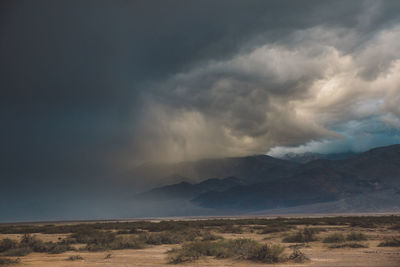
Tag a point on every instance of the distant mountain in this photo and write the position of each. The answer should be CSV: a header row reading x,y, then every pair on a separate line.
x,y
310,156
185,190
249,169
368,181
318,181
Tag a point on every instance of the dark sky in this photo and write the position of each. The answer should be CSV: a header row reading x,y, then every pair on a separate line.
x,y
90,89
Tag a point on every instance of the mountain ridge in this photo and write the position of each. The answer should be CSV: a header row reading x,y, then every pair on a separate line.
x,y
287,185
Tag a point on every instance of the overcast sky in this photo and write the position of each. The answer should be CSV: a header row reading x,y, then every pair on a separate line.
x,y
90,89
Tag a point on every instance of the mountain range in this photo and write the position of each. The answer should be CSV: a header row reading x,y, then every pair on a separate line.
x,y
364,182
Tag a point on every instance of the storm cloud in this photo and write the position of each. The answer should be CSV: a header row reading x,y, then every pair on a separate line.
x,y
285,93
91,89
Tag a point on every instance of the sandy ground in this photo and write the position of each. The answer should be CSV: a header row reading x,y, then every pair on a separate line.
x,y
318,252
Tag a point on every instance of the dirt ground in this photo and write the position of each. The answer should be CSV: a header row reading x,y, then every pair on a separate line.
x,y
318,252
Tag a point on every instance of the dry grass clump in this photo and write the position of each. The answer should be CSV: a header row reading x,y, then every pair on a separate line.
x,y
100,240
231,229
169,237
297,256
302,236
18,252
7,244
6,261
125,242
30,244
340,238
90,236
246,249
208,236
75,258
395,227
356,236
274,228
390,242
349,245
105,240
334,238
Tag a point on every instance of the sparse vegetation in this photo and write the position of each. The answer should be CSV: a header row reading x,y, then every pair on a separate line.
x,y
340,238
75,258
6,261
208,236
356,236
390,242
7,244
30,244
18,252
238,248
395,227
201,237
298,257
137,226
128,242
231,229
302,236
275,229
349,245
334,238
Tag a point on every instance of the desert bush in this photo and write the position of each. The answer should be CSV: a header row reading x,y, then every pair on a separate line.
x,y
395,227
75,258
349,245
364,224
90,236
390,242
161,238
208,236
5,261
118,243
356,236
7,244
36,245
297,256
268,254
20,251
334,238
275,229
231,229
239,248
126,243
170,237
192,251
301,236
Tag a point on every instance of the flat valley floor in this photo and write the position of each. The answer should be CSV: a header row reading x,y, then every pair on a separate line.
x,y
334,241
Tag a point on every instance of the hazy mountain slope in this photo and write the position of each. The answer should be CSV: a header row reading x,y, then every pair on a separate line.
x,y
315,182
250,169
380,201
185,190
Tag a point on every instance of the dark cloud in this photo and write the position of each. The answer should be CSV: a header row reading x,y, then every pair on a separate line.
x,y
91,88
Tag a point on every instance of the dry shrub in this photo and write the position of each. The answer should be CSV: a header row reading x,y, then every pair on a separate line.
x,y
75,258
334,238
349,245
6,261
302,236
356,236
390,242
246,249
